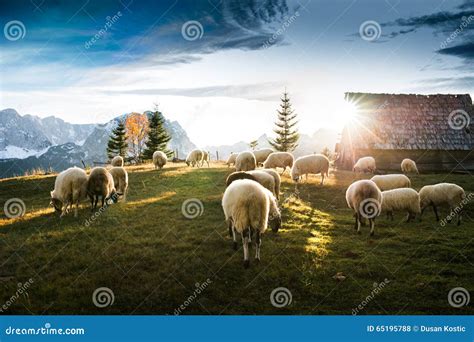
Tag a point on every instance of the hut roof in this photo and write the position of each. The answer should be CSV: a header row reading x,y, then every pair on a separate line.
x,y
409,121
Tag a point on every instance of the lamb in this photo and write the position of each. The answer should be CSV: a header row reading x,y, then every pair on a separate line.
x,y
365,198
277,179
117,161
159,159
313,163
405,199
261,155
248,209
392,181
231,159
194,158
245,161
120,176
205,158
365,164
101,184
409,166
279,159
70,187
439,194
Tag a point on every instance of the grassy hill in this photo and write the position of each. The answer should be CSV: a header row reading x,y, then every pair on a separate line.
x,y
154,259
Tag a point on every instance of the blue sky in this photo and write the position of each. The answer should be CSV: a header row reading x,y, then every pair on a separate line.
x,y
89,61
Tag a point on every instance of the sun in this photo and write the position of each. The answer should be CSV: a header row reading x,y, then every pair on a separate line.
x,y
346,112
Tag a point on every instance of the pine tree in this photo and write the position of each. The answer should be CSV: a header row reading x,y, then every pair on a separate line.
x,y
287,134
117,144
253,144
158,137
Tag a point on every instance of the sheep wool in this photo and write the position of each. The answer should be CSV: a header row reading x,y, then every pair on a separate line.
x,y
261,155
311,164
409,166
392,181
443,194
231,159
403,199
279,159
101,184
364,164
194,158
120,176
159,159
245,161
70,187
277,179
117,161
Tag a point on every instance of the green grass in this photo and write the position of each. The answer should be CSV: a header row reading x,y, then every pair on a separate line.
x,y
151,256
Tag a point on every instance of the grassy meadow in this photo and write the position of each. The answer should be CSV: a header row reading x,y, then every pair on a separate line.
x,y
153,258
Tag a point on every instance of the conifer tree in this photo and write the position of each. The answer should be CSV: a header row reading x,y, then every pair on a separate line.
x,y
287,134
158,137
117,144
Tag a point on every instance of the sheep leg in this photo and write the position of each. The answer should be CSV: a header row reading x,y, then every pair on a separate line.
x,y
436,212
245,243
258,242
96,199
408,217
234,237
459,217
372,226
322,178
357,222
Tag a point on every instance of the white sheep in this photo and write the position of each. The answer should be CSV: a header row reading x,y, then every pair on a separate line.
x,y
261,155
365,164
245,161
120,176
194,158
101,184
365,198
409,166
277,179
205,158
70,187
248,209
159,159
391,181
263,178
117,161
231,159
404,199
448,194
311,164
279,159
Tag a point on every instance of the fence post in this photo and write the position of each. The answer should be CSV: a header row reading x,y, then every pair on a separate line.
x,y
217,155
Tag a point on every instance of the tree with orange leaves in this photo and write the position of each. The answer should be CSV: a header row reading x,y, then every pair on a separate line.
x,y
137,132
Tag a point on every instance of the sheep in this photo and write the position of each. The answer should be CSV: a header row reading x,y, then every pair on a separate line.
x,y
365,199
159,159
448,194
261,155
245,161
238,175
205,158
70,187
265,178
231,159
194,158
365,164
409,166
313,163
392,181
248,209
117,161
277,179
405,199
120,176
279,159
101,183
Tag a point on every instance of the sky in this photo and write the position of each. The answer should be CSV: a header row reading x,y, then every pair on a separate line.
x,y
219,67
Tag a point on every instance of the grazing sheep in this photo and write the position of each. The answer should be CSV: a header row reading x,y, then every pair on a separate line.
x,y
365,164
265,179
279,159
205,158
238,175
117,161
365,198
409,166
248,209
70,187
261,155
120,176
277,179
159,159
448,194
245,161
405,199
101,184
313,163
231,160
392,181
194,158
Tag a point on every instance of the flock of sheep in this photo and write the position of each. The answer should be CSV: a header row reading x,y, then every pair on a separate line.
x,y
250,200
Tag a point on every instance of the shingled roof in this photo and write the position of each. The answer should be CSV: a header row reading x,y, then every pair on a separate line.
x,y
409,121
